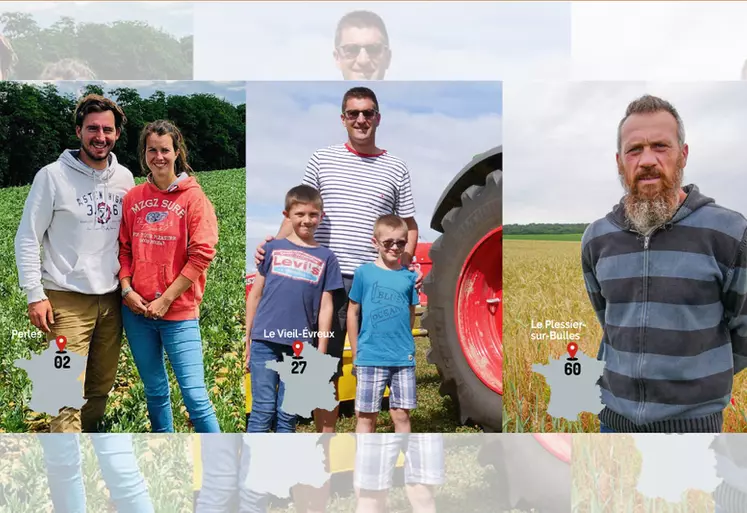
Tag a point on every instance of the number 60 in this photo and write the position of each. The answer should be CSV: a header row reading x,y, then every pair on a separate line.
x,y
572,368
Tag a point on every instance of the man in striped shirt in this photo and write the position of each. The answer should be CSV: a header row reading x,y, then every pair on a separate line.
x,y
359,182
666,272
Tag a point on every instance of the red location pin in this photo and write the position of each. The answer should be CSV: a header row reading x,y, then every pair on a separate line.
x,y
572,348
61,342
297,348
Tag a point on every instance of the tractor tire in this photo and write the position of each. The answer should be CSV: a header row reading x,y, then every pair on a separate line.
x,y
481,212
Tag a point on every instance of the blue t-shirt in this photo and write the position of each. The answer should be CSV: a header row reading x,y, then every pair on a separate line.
x,y
385,296
295,279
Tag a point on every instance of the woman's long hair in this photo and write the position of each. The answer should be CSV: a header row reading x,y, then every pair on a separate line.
x,y
163,127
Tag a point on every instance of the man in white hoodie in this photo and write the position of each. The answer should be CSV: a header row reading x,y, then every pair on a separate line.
x,y
74,210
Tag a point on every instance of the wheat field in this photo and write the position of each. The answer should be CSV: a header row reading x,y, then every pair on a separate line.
x,y
543,280
605,474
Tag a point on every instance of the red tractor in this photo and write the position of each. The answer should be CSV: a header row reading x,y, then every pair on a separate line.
x,y
464,315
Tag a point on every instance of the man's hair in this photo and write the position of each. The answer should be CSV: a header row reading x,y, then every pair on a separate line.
x,y
8,57
360,93
67,69
163,127
390,221
303,194
648,104
361,19
97,103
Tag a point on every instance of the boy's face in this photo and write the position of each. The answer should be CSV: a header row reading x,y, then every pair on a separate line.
x,y
390,243
305,218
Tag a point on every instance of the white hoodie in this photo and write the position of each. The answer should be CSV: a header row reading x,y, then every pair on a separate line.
x,y
74,211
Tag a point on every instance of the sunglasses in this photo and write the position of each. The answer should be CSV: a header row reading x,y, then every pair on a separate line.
x,y
400,243
352,115
352,50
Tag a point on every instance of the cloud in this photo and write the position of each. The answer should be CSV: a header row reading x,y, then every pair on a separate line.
x,y
561,142
283,132
658,40
429,40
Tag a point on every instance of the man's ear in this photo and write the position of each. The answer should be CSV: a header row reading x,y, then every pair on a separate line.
x,y
685,153
373,241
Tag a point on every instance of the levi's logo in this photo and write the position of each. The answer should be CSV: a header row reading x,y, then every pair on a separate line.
x,y
296,265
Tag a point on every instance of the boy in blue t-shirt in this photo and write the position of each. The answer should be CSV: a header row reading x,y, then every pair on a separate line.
x,y
384,350
291,300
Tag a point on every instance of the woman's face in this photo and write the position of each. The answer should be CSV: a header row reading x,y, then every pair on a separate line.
x,y
160,155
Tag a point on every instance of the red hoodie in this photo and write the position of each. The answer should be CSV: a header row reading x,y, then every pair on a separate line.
x,y
164,234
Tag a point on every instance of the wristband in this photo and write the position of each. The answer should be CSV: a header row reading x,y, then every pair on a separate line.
x,y
126,291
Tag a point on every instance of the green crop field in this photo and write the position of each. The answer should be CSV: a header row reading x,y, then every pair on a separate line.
x,y
546,236
221,322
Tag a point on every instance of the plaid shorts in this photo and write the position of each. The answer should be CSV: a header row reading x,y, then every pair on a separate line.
x,y
376,457
372,381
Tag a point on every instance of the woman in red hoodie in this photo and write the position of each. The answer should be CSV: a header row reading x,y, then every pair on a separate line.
x,y
166,243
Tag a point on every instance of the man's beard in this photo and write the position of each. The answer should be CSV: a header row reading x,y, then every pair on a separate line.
x,y
646,211
93,157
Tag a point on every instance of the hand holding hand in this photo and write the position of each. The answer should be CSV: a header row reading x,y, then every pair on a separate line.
x,y
136,303
158,308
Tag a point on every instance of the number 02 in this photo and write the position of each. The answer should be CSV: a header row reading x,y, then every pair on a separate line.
x,y
61,362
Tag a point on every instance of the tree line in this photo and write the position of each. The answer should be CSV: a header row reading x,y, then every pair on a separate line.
x,y
544,228
122,50
36,125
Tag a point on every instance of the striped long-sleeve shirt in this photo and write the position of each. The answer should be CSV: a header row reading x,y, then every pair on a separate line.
x,y
356,189
673,308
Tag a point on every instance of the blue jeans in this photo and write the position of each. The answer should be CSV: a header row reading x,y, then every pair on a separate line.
x,y
225,464
268,390
118,466
148,338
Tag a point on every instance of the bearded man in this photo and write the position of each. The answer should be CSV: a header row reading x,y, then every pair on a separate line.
x,y
666,273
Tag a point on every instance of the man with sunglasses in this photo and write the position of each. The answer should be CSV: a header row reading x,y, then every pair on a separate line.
x,y
362,46
359,182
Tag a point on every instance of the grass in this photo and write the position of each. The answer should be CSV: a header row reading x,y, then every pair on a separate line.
x,y
221,323
545,236
605,474
434,414
543,280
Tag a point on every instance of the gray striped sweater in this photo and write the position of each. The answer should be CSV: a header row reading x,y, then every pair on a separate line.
x,y
673,308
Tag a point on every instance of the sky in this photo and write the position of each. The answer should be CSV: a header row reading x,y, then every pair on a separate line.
x,y
295,40
233,92
435,127
561,139
659,40
175,18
